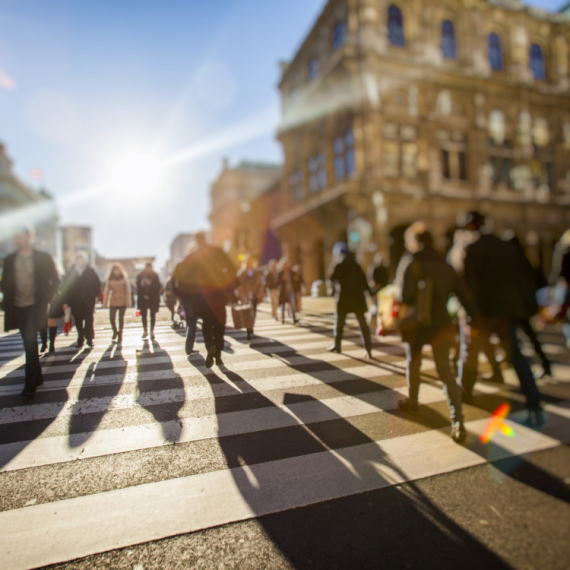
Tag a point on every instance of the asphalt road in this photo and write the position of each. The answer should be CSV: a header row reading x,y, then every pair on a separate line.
x,y
287,457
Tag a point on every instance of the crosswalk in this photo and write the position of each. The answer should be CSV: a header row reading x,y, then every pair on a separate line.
x,y
134,443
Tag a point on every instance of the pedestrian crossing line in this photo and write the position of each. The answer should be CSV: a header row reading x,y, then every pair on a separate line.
x,y
74,406
60,449
74,528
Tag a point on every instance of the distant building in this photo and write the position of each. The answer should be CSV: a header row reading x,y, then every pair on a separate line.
x,y
20,204
75,239
133,265
232,194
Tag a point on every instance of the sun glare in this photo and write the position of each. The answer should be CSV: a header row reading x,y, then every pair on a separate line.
x,y
135,172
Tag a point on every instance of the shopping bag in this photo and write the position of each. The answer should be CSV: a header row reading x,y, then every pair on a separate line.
x,y
67,323
242,315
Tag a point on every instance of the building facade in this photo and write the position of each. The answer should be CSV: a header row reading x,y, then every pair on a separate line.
x,y
393,112
74,240
20,204
231,196
179,250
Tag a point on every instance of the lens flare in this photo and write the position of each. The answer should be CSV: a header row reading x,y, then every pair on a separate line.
x,y
497,423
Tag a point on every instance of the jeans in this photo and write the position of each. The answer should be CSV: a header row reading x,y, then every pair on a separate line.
x,y
214,328
84,326
506,330
274,296
292,300
441,343
27,322
340,319
113,318
144,316
191,322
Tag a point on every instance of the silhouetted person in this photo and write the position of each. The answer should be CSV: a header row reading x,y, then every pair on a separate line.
x,y
351,299
499,278
560,277
28,283
272,287
250,288
117,298
287,289
425,281
148,298
205,280
80,289
378,274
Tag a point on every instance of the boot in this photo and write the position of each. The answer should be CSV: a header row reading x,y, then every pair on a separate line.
x,y
52,335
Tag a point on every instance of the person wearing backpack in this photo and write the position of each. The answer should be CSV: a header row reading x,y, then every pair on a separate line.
x,y
425,282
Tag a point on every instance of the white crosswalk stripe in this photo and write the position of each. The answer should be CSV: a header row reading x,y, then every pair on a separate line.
x,y
292,423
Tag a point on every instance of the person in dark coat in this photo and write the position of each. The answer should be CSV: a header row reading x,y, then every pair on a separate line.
x,y
148,297
425,282
79,291
500,281
378,276
205,281
272,286
250,288
351,299
288,287
28,283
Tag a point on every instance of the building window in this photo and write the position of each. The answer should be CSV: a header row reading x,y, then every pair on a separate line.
x,y
317,173
344,156
313,68
454,165
400,151
448,45
501,159
339,35
396,26
537,62
297,186
495,52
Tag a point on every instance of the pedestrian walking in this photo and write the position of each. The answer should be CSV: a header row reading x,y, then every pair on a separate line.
x,y
80,290
117,298
148,298
353,287
250,288
425,282
378,276
560,280
29,282
204,281
504,293
272,287
298,285
287,290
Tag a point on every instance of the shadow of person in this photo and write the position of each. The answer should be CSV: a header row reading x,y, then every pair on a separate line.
x,y
160,389
86,415
323,491
16,435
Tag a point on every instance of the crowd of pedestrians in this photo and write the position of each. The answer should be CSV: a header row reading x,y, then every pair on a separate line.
x,y
490,278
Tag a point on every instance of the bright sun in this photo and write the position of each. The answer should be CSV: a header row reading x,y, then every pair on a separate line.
x,y
135,172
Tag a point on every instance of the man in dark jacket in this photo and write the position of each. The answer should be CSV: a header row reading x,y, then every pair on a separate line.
x,y
80,289
29,282
500,279
205,281
378,276
353,285
425,282
148,297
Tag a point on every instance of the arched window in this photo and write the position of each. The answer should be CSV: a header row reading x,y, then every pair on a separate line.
x,y
495,52
448,46
339,35
396,26
537,62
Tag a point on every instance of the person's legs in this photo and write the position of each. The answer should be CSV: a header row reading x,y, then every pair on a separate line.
x,y
489,350
469,360
113,321
441,349
44,337
27,325
293,305
365,332
80,329
340,319
89,330
144,318
191,322
274,295
531,334
152,322
52,337
122,311
413,361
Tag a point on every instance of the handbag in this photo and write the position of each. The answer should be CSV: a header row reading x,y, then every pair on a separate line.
x,y
242,315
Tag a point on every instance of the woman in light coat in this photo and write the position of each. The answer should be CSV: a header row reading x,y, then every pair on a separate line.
x,y
117,298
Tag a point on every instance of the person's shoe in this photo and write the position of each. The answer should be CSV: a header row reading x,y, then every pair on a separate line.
x,y
115,335
535,418
210,359
458,432
152,337
193,354
295,320
120,338
40,381
79,344
28,391
367,354
43,347
408,406
144,335
51,347
219,361
90,344
334,349
546,370
248,335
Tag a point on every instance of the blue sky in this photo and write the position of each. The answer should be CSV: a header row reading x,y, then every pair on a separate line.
x,y
93,91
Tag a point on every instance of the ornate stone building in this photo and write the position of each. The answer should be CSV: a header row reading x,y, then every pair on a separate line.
x,y
231,196
394,111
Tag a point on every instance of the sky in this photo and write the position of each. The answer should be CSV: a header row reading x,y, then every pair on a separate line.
x,y
124,109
